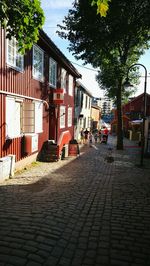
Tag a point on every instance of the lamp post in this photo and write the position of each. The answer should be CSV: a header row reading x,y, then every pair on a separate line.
x,y
144,109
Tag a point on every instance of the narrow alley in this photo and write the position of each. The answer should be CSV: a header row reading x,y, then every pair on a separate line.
x,y
93,210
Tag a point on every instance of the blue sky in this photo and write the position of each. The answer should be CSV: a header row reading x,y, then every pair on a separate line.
x,y
55,10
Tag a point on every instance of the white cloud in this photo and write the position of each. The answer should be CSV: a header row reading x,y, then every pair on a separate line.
x,y
57,4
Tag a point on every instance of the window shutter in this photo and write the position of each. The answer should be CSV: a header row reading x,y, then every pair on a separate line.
x,y
10,116
28,117
70,85
38,117
17,126
62,116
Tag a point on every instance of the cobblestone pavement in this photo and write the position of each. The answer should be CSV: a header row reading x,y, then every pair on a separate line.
x,y
89,210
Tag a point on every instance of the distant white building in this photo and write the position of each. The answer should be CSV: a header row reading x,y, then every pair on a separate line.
x,y
105,104
82,117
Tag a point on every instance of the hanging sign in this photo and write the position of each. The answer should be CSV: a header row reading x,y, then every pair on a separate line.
x,y
58,96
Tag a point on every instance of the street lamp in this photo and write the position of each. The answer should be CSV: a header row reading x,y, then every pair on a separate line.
x,y
127,84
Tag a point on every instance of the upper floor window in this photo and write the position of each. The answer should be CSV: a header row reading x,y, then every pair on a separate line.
x,y
14,58
38,63
52,72
86,101
62,116
70,91
77,97
63,79
89,103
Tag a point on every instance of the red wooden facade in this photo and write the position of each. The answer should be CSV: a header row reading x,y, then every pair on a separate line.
x,y
133,110
23,88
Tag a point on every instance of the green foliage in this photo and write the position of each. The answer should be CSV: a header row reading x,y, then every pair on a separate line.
x,y
114,42
110,43
22,19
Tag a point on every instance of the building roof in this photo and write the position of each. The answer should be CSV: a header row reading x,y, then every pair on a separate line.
x,y
135,98
84,88
63,59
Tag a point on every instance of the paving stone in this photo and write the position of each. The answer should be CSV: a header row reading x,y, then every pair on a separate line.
x,y
78,212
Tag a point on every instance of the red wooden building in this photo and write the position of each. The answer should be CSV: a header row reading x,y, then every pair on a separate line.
x,y
33,109
131,111
135,107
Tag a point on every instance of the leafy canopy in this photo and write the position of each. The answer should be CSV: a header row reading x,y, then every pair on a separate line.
x,y
22,19
111,43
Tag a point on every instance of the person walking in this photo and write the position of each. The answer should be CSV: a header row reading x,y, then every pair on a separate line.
x,y
96,137
82,136
105,134
90,139
86,133
99,135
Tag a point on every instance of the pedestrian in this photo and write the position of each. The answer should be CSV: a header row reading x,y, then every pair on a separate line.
x,y
105,134
90,138
99,135
86,133
96,137
82,135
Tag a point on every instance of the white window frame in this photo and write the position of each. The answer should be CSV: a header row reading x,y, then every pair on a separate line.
x,y
52,72
63,79
70,89
13,56
23,117
38,69
62,117
70,117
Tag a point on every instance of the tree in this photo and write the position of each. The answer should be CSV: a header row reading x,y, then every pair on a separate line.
x,y
111,43
22,19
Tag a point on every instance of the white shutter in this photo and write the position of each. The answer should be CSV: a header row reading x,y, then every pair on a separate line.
x,y
10,116
63,79
38,117
70,85
17,125
62,116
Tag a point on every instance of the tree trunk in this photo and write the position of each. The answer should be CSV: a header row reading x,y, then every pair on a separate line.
x,y
119,117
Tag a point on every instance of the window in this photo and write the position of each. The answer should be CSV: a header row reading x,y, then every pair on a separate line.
x,y
14,58
82,98
52,72
38,62
86,101
62,116
89,122
89,103
69,116
63,79
23,117
70,92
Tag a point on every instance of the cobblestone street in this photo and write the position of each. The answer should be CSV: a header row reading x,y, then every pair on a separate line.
x,y
91,210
